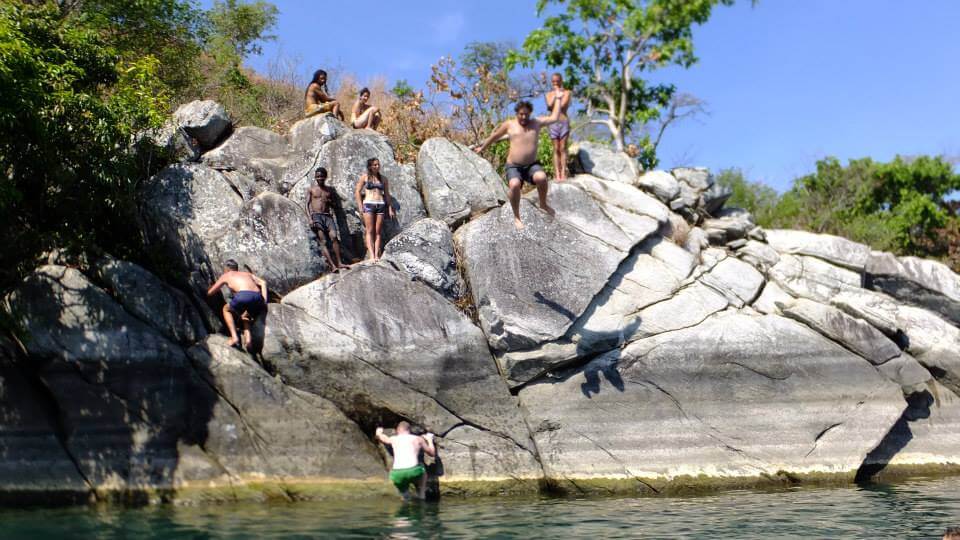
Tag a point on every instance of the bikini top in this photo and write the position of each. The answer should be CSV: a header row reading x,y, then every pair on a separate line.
x,y
374,185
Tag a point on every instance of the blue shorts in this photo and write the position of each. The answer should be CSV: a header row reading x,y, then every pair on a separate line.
x,y
374,208
248,301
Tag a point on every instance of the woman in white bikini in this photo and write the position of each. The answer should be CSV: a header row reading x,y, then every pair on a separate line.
x,y
373,200
364,115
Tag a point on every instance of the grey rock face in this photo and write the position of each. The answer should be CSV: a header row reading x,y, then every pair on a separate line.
x,y
809,277
714,198
759,254
456,182
729,224
771,298
654,411
698,178
259,152
908,373
531,285
425,252
661,183
345,159
173,140
260,427
603,162
151,300
184,208
206,121
833,249
619,196
927,433
736,280
272,236
115,381
309,134
921,282
852,333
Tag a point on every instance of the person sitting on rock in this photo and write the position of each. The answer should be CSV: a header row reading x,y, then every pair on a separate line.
x,y
560,130
407,468
248,302
364,115
373,201
522,166
318,100
321,202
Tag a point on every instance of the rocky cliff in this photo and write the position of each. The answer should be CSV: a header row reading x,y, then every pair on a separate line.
x,y
644,339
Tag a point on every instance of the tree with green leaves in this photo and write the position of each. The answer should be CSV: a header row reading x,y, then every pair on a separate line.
x,y
605,46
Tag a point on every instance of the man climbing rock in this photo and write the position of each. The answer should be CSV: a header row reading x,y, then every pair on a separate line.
x,y
248,302
522,165
321,202
407,468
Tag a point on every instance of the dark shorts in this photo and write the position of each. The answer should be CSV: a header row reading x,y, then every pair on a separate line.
x,y
523,172
327,224
374,208
559,130
248,301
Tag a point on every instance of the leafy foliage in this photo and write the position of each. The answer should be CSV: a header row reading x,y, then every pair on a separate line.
x,y
756,197
605,45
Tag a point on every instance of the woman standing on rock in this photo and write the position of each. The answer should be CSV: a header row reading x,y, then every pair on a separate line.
x,y
373,201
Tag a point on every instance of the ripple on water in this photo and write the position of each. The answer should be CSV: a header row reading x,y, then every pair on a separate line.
x,y
910,510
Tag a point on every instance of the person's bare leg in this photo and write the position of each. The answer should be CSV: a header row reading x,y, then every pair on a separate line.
x,y
368,223
513,193
336,254
336,111
563,156
540,179
246,332
557,165
362,121
321,239
377,238
422,487
375,118
231,325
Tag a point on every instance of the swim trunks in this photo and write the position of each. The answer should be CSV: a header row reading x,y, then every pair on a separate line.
x,y
559,129
374,207
318,108
247,301
327,224
523,172
402,478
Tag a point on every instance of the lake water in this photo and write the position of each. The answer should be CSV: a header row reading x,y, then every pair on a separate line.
x,y
918,509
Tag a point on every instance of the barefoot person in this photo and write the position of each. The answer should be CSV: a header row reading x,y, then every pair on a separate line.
x,y
373,201
522,165
321,202
560,130
318,100
248,302
407,468
363,114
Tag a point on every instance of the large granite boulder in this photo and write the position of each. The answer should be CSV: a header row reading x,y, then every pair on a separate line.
x,y
661,183
261,428
425,252
921,282
833,249
456,183
603,162
206,121
711,400
927,434
184,209
813,278
572,257
115,383
728,224
853,333
145,296
272,236
308,135
258,152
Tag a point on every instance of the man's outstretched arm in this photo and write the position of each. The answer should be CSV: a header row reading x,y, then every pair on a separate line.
x,y
495,136
381,437
554,114
215,288
262,283
428,445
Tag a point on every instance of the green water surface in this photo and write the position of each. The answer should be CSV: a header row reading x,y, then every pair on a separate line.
x,y
916,509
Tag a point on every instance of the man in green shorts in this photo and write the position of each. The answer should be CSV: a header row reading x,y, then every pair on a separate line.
x,y
407,468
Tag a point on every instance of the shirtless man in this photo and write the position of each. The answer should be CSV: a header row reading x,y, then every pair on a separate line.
x,y
318,99
522,165
321,201
363,114
560,130
407,468
249,297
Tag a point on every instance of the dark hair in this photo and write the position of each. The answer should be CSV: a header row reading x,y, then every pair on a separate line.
x,y
370,162
523,105
363,91
557,74
316,78
952,533
321,171
231,264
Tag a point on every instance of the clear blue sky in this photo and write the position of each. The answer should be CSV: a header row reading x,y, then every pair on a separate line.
x,y
786,82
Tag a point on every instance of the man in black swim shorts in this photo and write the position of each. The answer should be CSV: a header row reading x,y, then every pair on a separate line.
x,y
249,298
321,202
522,165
